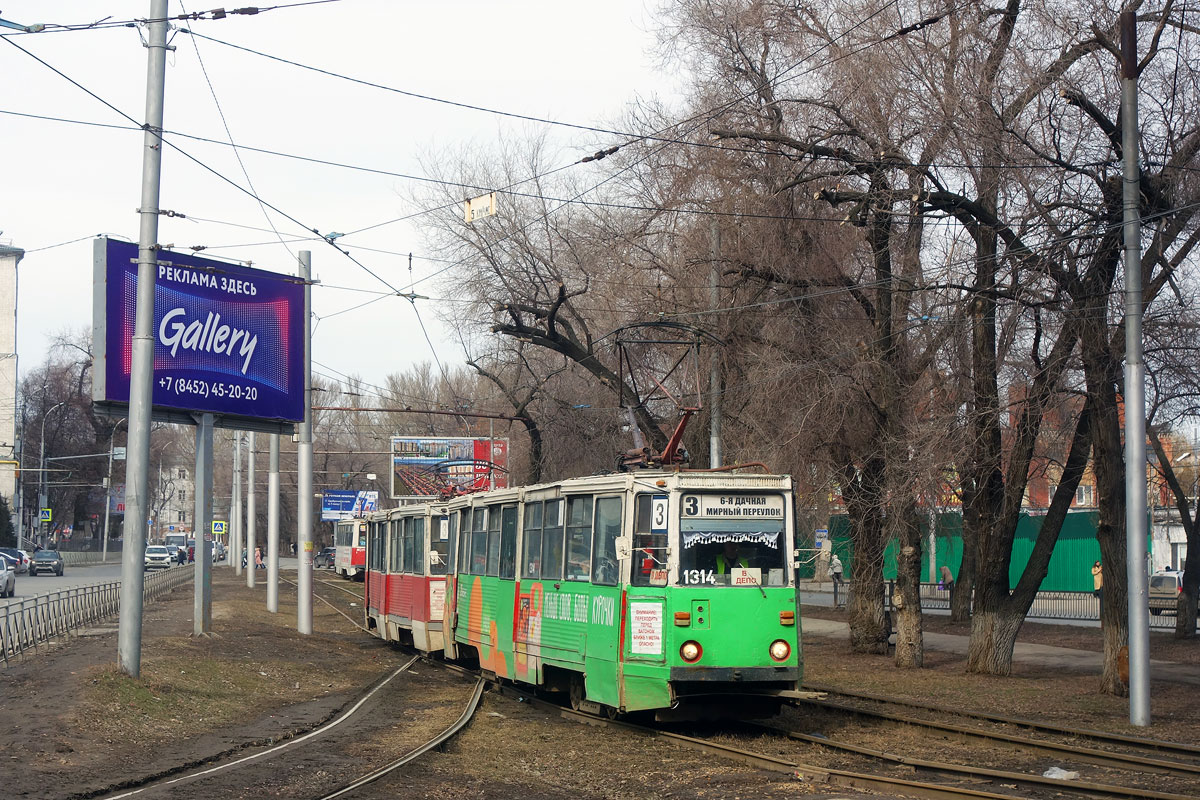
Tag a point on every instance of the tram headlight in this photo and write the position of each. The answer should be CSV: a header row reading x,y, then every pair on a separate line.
x,y
780,650
691,652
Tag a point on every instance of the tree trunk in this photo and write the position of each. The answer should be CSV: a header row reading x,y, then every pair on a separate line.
x,y
993,637
910,647
869,626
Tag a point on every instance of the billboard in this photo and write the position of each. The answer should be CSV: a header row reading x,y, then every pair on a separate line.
x,y
338,504
428,466
227,339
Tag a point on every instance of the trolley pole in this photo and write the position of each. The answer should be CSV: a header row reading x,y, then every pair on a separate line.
x,y
714,360
273,527
202,597
304,458
1135,389
251,539
141,379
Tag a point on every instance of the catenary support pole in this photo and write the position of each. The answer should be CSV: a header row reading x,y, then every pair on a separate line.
x,y
251,523
235,513
141,379
304,459
1135,389
273,527
202,491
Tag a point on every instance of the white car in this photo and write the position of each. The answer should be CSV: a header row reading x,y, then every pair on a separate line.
x,y
159,557
8,578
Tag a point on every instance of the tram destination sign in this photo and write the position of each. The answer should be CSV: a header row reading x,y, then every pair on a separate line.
x,y
227,339
733,506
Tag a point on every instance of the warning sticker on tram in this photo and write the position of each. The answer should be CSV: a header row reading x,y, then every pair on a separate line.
x,y
735,506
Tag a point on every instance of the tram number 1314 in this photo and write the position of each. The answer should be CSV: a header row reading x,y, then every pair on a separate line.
x,y
695,577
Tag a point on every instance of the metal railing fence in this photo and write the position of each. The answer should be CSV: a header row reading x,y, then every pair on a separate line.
x,y
32,621
1046,606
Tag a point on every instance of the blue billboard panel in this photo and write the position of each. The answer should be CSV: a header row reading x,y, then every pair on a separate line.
x,y
337,504
227,339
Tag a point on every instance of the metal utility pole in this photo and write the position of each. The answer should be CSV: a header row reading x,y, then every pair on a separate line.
x,y
43,494
714,360
141,379
273,526
202,598
251,539
235,504
108,490
1135,389
304,466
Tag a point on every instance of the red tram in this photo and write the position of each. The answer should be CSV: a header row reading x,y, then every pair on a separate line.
x,y
350,542
406,577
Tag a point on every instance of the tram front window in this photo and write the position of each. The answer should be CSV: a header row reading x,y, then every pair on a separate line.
x,y
732,540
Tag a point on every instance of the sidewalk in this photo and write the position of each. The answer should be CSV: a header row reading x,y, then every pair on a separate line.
x,y
1083,661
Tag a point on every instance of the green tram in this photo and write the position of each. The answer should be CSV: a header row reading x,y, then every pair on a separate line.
x,y
662,591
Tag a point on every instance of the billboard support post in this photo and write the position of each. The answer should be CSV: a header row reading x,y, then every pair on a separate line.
x,y
273,526
251,528
129,636
202,598
304,465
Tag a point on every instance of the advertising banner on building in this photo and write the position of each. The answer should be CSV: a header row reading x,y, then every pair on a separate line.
x,y
227,339
429,466
338,505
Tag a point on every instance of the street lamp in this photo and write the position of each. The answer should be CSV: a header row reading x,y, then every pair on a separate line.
x,y
108,488
42,498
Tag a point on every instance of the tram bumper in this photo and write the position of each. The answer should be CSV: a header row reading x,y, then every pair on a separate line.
x,y
722,693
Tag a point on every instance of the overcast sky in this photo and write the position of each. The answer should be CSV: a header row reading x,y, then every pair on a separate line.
x,y
63,183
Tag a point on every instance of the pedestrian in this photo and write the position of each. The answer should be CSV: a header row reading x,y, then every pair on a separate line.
x,y
1098,585
293,548
835,569
947,580
258,559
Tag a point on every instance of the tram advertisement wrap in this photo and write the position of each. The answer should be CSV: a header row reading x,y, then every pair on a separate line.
x,y
227,339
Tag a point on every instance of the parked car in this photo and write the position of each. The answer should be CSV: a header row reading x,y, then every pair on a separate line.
x,y
325,558
1165,587
159,557
8,576
46,561
19,556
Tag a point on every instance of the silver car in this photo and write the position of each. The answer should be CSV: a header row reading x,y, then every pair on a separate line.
x,y
8,578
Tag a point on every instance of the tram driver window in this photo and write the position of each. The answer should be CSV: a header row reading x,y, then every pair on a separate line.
x,y
439,543
649,548
579,538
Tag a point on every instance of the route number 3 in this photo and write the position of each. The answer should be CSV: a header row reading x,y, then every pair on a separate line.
x,y
691,506
658,515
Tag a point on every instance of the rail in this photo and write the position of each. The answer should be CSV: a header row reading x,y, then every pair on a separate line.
x,y
30,622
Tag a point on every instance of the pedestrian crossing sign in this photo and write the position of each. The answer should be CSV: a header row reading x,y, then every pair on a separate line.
x,y
218,527
44,516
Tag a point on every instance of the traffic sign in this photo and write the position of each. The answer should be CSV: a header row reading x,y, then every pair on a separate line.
x,y
218,527
44,515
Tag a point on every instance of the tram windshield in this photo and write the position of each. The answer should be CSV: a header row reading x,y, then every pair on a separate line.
x,y
732,540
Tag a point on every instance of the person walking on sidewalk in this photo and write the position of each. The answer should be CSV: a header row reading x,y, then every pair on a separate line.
x,y
1098,585
835,574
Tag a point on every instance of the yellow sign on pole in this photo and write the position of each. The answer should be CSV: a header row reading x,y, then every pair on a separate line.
x,y
45,515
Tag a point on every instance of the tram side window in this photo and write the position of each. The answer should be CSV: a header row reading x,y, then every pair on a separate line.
x,y
479,542
394,537
604,546
439,545
531,547
408,545
552,540
508,542
418,562
463,530
376,549
493,541
649,548
579,538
